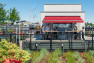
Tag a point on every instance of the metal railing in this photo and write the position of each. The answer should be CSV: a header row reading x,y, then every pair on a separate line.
x,y
12,38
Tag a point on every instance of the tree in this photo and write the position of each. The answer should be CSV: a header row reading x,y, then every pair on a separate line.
x,y
89,24
13,15
3,14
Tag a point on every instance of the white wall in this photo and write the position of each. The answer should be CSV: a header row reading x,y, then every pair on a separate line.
x,y
64,10
62,7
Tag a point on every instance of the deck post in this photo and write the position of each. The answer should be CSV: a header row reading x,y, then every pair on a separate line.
x,y
30,42
71,41
62,47
92,40
51,43
23,36
11,37
86,46
36,46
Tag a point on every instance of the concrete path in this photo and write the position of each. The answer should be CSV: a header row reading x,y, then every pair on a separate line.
x,y
88,38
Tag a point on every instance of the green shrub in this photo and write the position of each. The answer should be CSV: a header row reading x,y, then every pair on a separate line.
x,y
0,31
8,49
53,57
91,53
28,50
69,57
88,58
34,55
78,58
38,56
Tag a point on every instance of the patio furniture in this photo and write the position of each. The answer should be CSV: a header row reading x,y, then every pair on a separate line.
x,y
71,34
49,33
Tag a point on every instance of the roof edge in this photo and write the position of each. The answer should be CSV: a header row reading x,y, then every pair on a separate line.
x,y
62,4
62,12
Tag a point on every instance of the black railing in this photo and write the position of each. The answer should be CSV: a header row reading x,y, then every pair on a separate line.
x,y
12,38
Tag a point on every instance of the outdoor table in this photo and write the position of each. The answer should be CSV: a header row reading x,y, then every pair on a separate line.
x,y
2,38
72,33
50,33
68,34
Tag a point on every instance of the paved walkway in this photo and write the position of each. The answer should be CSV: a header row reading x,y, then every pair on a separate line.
x,y
88,38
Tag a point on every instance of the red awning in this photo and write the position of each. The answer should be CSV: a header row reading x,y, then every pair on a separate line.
x,y
62,19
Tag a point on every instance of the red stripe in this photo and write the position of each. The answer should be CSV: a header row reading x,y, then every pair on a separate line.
x,y
62,19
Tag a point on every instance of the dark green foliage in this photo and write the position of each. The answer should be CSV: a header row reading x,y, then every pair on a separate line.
x,y
13,15
3,14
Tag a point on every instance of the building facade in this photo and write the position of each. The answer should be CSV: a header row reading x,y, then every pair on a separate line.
x,y
64,10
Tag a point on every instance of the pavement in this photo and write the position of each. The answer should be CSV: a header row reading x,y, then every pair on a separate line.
x,y
88,38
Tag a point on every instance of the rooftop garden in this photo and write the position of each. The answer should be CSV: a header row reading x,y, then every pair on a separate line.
x,y
10,53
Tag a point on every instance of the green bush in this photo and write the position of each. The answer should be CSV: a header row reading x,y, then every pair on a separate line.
x,y
88,58
78,58
53,57
34,55
91,53
9,50
69,57
38,56
0,31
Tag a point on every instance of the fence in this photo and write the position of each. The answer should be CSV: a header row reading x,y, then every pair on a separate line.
x,y
89,30
64,39
33,44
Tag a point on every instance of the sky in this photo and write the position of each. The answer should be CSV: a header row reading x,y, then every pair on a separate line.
x,y
25,7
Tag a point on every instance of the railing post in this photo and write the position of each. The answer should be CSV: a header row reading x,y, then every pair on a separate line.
x,y
11,37
92,30
30,42
51,43
23,36
71,41
86,46
68,37
0,39
62,47
80,35
92,40
36,46
3,33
